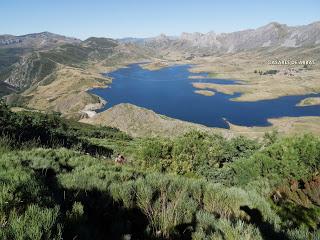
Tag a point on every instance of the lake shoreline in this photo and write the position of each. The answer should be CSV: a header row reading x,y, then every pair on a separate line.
x,y
129,89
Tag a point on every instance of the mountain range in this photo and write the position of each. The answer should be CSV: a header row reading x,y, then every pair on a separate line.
x,y
33,65
271,35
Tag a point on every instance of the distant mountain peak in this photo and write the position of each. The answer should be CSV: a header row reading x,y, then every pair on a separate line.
x,y
162,36
273,34
100,42
272,26
35,40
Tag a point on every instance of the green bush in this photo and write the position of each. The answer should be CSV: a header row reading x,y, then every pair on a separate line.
x,y
193,153
155,154
172,206
295,157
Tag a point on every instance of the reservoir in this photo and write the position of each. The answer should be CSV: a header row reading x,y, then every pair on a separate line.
x,y
169,91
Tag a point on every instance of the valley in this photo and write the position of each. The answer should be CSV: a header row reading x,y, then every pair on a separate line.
x,y
134,120
58,77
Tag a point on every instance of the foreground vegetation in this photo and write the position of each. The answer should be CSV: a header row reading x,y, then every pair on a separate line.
x,y
58,180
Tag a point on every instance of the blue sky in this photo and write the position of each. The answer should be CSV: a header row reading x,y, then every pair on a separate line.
x,y
144,18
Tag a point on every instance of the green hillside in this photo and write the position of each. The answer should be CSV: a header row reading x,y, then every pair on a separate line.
x,y
58,180
39,64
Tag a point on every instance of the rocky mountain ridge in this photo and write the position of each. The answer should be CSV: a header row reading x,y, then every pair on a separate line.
x,y
272,35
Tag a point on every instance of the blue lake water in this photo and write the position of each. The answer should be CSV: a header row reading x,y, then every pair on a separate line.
x,y
169,91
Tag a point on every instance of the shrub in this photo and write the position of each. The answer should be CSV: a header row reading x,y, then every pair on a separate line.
x,y
166,203
210,227
294,157
240,147
198,149
5,144
76,214
193,154
123,192
303,233
154,153
225,202
36,223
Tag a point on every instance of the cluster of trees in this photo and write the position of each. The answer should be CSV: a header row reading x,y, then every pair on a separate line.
x,y
196,186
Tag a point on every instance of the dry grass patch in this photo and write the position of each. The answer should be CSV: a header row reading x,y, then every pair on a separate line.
x,y
246,66
67,93
205,92
309,101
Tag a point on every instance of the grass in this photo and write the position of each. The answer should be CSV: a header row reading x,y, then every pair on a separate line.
x,y
65,91
225,191
140,122
166,201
